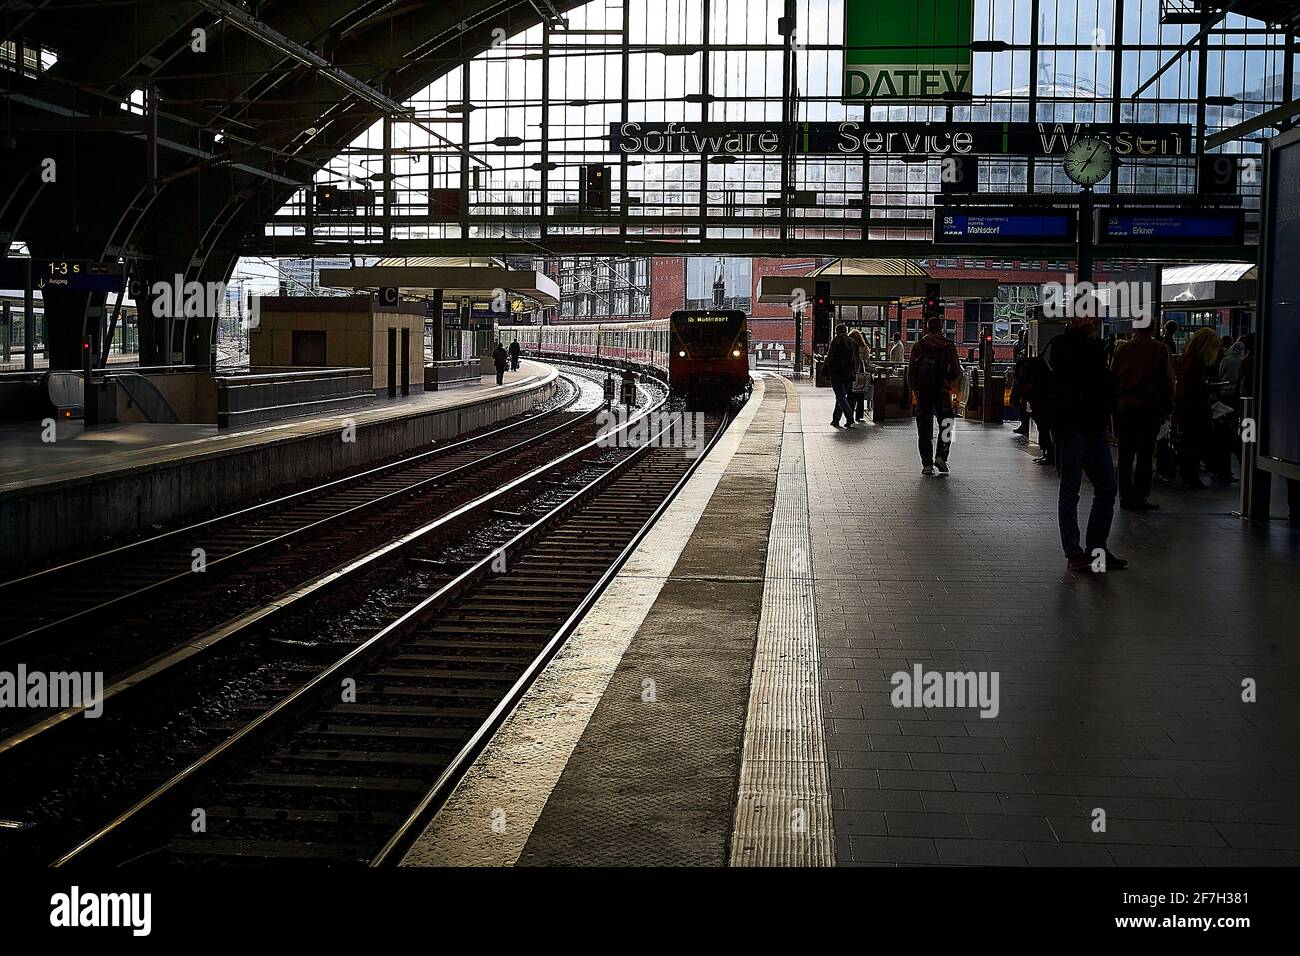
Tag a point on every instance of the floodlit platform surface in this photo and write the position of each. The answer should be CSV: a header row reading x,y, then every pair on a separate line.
x,y
81,453
729,699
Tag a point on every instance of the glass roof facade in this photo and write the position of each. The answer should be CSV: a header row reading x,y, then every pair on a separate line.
x,y
500,147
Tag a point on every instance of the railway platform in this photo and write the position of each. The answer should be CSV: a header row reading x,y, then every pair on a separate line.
x,y
736,697
121,479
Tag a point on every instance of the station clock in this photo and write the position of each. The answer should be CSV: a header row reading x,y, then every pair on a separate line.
x,y
1089,160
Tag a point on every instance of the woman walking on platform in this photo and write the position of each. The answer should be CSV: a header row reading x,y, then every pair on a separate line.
x,y
862,373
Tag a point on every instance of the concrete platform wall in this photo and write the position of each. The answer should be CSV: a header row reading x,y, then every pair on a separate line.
x,y
59,516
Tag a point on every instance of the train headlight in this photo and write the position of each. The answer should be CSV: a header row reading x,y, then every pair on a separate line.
x,y
735,353
682,353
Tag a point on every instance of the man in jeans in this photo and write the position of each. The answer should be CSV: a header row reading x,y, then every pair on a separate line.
x,y
841,365
1083,397
1144,386
931,370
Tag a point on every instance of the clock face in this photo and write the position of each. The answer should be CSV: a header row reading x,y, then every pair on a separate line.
x,y
1088,161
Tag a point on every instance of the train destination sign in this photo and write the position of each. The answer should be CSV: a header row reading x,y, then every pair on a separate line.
x,y
1221,226
852,138
1007,225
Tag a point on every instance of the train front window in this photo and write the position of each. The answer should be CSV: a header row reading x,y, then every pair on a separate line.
x,y
706,332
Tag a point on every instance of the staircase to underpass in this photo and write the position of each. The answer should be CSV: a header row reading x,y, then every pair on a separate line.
x,y
146,397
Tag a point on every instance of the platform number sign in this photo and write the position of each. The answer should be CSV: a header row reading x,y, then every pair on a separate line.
x,y
1217,175
387,298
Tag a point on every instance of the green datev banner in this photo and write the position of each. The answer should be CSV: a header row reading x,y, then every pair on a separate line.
x,y
916,49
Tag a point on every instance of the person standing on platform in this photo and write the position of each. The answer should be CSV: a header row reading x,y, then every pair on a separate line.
x,y
499,359
1170,336
1144,386
861,373
1230,368
841,368
1194,411
515,350
1020,355
931,371
898,351
1083,398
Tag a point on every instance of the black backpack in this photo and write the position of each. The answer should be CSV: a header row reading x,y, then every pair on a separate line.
x,y
1034,378
930,373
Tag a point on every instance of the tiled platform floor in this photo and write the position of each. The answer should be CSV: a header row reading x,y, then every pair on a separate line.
x,y
1119,692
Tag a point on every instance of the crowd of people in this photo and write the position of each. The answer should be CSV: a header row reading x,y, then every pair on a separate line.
x,y
1180,408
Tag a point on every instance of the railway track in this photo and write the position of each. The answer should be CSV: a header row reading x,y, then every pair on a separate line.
x,y
349,759
177,619
78,593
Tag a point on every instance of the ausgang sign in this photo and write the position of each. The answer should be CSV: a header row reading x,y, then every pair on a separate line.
x,y
906,49
854,138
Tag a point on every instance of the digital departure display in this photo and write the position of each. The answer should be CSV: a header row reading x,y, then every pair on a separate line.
x,y
1217,226
1005,225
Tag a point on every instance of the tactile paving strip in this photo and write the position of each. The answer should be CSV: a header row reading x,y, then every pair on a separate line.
x,y
783,809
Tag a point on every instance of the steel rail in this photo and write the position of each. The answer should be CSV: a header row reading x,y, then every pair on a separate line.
x,y
243,554
285,499
305,696
192,649
418,819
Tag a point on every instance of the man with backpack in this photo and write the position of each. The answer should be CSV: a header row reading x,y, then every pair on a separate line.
x,y
841,365
931,371
1082,400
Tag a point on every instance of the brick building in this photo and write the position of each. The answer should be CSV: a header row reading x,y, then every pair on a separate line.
x,y
620,290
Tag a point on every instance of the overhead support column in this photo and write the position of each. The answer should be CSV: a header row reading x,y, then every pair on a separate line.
x,y
787,114
798,339
464,148
29,325
435,339
386,223
704,118
1085,235
1033,85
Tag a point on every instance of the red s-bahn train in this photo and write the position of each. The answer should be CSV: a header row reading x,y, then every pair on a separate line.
x,y
703,352
709,355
